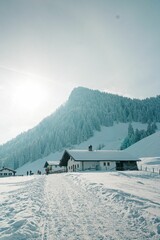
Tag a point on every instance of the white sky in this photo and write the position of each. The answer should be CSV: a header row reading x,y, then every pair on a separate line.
x,y
49,47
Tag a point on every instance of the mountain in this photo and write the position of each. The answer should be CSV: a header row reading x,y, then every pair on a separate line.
x,y
85,112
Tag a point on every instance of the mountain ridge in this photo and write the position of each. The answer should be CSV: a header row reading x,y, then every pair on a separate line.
x,y
85,112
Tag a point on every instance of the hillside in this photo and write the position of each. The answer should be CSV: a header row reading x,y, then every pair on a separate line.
x,y
110,138
147,147
86,112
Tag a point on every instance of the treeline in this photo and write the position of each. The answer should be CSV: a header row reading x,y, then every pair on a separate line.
x,y
74,122
136,135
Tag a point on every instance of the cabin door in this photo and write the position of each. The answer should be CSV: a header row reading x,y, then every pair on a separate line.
x,y
119,166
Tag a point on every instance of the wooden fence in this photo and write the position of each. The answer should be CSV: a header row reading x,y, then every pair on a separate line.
x,y
149,169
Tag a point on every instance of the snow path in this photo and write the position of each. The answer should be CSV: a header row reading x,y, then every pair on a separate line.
x,y
73,213
81,206
79,209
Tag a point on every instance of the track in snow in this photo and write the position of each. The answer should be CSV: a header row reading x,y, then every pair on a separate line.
x,y
74,207
75,213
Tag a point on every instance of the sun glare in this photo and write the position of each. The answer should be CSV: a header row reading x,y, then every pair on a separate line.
x,y
29,96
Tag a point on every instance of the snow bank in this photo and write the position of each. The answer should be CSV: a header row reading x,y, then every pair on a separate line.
x,y
21,201
133,198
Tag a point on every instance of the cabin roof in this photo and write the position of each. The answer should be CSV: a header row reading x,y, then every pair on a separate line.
x,y
96,155
51,163
9,169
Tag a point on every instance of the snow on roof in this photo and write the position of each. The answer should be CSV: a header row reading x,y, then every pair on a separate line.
x,y
51,163
4,168
101,155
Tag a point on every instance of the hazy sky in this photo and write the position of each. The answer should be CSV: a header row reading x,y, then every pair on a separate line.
x,y
48,47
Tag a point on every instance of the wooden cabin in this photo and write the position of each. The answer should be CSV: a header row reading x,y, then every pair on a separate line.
x,y
53,167
94,160
7,172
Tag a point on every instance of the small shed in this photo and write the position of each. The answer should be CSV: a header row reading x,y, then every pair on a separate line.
x,y
53,167
7,172
103,160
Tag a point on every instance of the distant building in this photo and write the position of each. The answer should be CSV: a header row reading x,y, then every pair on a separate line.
x,y
53,167
6,172
102,160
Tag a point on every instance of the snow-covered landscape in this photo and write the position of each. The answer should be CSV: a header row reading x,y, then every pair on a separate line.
x,y
79,120
111,138
118,205
97,205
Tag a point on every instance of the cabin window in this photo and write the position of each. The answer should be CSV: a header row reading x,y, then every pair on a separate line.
x,y
77,165
1,174
104,164
108,163
10,174
71,167
5,174
55,166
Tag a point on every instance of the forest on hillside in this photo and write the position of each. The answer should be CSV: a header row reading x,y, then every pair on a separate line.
x,y
136,135
74,122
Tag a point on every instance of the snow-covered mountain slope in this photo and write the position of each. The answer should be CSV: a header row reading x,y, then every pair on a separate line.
x,y
38,164
147,147
110,138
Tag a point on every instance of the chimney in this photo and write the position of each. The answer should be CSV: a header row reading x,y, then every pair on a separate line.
x,y
90,148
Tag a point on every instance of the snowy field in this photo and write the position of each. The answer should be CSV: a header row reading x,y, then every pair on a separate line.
x,y
81,206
